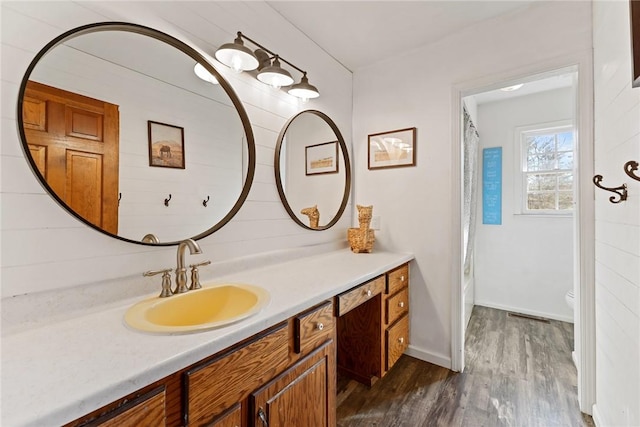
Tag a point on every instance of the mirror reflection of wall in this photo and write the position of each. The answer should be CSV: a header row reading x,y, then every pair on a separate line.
x,y
153,81
312,168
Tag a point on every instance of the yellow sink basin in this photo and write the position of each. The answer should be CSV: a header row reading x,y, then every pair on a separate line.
x,y
207,308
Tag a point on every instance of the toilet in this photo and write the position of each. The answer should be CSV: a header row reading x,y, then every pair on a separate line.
x,y
569,297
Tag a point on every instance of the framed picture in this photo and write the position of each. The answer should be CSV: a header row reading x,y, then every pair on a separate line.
x,y
321,158
634,6
392,149
166,145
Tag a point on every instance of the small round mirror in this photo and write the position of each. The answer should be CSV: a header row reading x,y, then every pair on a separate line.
x,y
312,169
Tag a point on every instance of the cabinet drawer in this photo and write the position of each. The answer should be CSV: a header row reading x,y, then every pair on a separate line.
x,y
397,305
148,410
398,279
353,298
231,418
397,340
314,327
216,385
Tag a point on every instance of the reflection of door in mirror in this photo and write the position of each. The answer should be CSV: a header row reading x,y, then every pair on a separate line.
x,y
74,143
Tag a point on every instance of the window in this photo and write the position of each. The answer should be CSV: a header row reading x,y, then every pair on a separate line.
x,y
547,169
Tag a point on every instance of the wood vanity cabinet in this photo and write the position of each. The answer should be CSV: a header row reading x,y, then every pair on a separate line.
x,y
287,371
373,326
284,375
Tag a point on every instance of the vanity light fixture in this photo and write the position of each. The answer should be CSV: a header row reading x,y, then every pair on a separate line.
x,y
274,75
240,58
304,89
204,74
237,56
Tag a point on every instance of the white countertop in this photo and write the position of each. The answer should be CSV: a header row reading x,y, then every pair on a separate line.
x,y
55,373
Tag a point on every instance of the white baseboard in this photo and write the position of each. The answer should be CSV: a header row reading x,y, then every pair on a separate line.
x,y
597,419
568,319
427,356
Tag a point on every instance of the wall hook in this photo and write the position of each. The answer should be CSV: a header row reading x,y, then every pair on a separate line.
x,y
630,167
204,202
620,191
166,201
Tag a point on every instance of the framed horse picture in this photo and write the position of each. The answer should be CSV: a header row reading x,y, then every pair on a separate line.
x,y
166,145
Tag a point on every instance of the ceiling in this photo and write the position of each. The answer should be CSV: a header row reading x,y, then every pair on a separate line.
x,y
360,33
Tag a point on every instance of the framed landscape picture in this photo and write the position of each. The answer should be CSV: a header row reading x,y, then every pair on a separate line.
x,y
166,145
322,158
392,149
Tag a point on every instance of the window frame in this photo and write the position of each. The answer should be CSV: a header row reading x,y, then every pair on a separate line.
x,y
520,181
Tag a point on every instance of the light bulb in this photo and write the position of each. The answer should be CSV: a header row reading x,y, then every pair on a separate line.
x,y
236,63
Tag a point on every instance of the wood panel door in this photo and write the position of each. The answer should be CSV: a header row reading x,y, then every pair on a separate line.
x,y
302,396
74,141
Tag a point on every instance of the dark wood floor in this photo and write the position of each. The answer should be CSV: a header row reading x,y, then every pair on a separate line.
x,y
518,373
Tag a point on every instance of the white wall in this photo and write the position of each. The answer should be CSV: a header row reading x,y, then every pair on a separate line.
x,y
44,248
617,140
526,263
415,204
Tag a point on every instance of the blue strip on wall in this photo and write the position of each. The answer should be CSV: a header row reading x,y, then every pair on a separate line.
x,y
492,185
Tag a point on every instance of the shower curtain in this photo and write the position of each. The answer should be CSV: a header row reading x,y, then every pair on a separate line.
x,y
470,154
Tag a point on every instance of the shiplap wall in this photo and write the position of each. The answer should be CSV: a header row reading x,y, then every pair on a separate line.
x,y
617,140
44,248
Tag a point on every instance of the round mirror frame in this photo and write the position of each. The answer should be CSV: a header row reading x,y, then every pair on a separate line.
x,y
186,49
347,164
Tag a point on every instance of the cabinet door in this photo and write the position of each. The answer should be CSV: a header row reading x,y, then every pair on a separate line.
x,y
303,395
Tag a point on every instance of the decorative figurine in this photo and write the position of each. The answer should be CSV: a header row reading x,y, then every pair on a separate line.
x,y
314,215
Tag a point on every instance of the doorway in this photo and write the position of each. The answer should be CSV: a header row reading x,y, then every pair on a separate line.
x,y
581,226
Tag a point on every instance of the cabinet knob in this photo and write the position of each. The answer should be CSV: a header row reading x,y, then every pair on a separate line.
x,y
319,326
402,278
368,292
401,304
401,340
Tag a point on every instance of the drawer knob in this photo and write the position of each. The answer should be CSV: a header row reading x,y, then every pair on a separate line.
x,y
402,278
401,304
401,340
368,292
320,326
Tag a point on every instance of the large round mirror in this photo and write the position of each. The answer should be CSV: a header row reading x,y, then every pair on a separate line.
x,y
312,169
123,134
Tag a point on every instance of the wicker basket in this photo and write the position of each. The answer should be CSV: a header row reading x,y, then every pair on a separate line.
x,y
361,239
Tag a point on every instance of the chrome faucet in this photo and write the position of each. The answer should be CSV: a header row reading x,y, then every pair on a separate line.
x,y
181,271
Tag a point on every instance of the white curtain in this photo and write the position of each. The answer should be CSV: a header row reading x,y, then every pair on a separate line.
x,y
470,153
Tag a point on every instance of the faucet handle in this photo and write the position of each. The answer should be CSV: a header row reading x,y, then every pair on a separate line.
x,y
195,275
166,281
